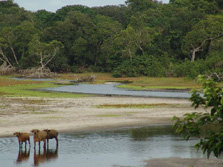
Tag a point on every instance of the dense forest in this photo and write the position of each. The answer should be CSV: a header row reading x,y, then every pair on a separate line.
x,y
141,37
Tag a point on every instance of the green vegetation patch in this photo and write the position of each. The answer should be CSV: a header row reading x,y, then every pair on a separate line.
x,y
109,115
42,112
139,83
135,87
51,117
30,89
140,106
30,101
148,83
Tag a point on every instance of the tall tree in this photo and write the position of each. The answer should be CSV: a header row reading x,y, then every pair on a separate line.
x,y
43,19
203,6
131,42
44,51
7,41
141,5
118,13
105,28
62,13
24,34
202,34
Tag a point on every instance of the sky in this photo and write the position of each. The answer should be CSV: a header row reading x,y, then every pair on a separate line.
x,y
53,5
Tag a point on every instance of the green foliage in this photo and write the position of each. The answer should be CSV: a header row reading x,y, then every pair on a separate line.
x,y
43,19
45,52
188,69
12,15
118,13
212,64
204,32
143,37
26,90
62,13
193,124
140,5
59,64
29,62
203,6
146,65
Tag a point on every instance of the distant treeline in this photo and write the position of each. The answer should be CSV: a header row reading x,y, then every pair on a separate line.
x,y
142,37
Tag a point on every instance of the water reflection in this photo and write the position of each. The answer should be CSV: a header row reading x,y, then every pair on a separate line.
x,y
142,134
45,155
23,155
40,156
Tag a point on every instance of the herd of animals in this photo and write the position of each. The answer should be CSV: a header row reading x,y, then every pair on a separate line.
x,y
38,136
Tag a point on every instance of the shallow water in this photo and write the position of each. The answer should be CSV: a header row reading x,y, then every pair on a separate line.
x,y
36,79
111,89
125,147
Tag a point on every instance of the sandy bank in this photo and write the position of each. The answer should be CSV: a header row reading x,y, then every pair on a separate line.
x,y
63,114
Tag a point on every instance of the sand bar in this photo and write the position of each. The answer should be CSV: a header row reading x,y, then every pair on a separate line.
x,y
83,114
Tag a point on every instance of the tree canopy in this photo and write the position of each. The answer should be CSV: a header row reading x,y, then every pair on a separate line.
x,y
140,37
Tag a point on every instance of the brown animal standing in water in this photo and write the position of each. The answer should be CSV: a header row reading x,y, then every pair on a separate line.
x,y
22,138
51,134
39,136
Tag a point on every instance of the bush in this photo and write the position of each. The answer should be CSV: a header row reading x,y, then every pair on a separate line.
x,y
198,124
126,69
59,64
214,62
147,65
189,69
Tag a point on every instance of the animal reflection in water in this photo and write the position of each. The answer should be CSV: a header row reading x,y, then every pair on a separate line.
x,y
45,155
23,155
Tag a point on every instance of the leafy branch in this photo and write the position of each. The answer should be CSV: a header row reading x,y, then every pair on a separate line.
x,y
196,124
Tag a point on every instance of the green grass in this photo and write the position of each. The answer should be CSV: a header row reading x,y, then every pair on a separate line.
x,y
140,83
40,113
29,101
51,117
14,88
111,115
134,87
148,83
138,106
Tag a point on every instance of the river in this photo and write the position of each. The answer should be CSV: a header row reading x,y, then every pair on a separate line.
x,y
114,148
112,89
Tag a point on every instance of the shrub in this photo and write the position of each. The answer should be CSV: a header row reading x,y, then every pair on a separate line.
x,y
189,69
206,126
147,65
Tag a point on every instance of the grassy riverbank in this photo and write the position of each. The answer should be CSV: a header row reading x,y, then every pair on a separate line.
x,y
26,88
139,83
